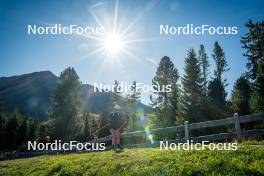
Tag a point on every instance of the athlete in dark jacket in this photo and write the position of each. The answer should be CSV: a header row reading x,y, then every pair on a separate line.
x,y
115,122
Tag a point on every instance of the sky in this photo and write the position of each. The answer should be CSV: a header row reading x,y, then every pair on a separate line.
x,y
138,20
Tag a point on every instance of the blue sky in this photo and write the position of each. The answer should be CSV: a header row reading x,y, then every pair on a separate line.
x,y
22,53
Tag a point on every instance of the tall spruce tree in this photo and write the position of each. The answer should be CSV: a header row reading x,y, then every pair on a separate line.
x,y
165,102
253,42
241,96
66,106
220,61
204,62
192,88
216,87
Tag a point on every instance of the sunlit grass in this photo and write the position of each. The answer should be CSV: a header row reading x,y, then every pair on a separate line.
x,y
247,160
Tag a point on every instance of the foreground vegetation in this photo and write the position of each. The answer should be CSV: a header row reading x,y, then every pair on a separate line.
x,y
247,160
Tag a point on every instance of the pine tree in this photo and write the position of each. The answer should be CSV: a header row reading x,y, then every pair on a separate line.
x,y
133,98
217,106
162,100
253,42
174,103
216,93
192,88
86,129
216,87
241,96
42,133
66,106
22,132
33,126
134,95
2,129
204,65
12,129
220,61
204,62
257,96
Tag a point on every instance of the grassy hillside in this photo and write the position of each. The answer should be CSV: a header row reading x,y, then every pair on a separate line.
x,y
247,160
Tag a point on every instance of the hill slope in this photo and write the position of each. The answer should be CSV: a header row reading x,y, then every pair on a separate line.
x,y
247,160
31,93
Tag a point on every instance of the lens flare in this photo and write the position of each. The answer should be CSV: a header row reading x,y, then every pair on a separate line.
x,y
149,135
143,120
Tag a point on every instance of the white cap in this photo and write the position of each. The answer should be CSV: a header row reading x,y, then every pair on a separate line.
x,y
117,107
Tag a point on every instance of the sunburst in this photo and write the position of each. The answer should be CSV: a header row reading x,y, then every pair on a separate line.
x,y
117,42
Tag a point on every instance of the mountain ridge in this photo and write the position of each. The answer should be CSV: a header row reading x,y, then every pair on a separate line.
x,y
31,93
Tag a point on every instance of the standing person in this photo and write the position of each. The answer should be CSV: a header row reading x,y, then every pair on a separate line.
x,y
114,120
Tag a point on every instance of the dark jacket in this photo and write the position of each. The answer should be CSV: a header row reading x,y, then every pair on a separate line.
x,y
115,120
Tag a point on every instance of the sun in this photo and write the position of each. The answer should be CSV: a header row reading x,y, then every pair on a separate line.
x,y
113,44
120,39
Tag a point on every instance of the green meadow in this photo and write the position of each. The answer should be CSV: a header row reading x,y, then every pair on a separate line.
x,y
247,160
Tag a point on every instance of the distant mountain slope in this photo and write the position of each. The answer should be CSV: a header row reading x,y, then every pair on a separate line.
x,y
31,93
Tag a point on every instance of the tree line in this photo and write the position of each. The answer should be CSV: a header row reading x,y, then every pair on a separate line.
x,y
198,98
202,96
16,130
